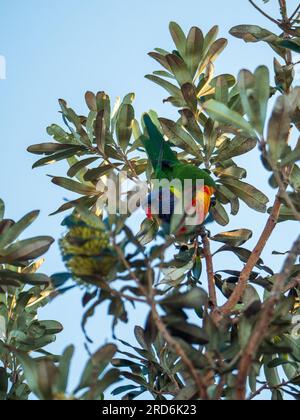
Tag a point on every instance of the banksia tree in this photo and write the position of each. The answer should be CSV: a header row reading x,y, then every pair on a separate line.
x,y
211,332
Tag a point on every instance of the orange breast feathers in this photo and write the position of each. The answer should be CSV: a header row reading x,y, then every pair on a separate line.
x,y
202,202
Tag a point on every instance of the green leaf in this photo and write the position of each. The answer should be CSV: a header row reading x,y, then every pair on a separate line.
x,y
279,128
291,45
78,166
96,366
35,279
100,130
191,300
74,186
178,37
125,125
179,137
222,94
233,237
179,69
49,148
253,33
291,157
148,232
64,369
90,99
31,373
225,115
272,375
188,332
219,214
254,198
96,173
169,87
213,53
28,249
210,38
51,327
255,93
17,229
49,160
194,48
295,178
236,147
2,210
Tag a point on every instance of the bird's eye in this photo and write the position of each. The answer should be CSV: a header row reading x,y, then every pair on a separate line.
x,y
213,202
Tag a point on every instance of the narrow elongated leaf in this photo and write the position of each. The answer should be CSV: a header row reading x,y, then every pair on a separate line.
x,y
254,198
213,53
2,210
124,125
34,279
78,166
65,154
90,99
219,214
169,87
291,45
96,366
179,69
74,186
237,147
194,48
48,148
28,249
279,128
17,229
233,237
178,136
100,130
178,37
223,114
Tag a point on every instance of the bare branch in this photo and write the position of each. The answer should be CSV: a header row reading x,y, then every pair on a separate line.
x,y
255,255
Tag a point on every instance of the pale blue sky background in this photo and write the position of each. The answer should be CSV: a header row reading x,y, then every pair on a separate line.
x,y
61,48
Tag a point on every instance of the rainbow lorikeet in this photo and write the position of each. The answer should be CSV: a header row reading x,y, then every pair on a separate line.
x,y
166,166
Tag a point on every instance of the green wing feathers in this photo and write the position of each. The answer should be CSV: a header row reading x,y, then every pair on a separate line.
x,y
158,150
164,160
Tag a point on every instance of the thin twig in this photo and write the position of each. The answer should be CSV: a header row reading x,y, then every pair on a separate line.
x,y
163,329
210,270
264,13
268,387
295,13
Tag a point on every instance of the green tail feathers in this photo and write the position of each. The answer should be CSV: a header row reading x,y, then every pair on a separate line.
x,y
158,150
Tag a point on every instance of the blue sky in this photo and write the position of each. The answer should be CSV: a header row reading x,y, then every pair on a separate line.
x,y
61,48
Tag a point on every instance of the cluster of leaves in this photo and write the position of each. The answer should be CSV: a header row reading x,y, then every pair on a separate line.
x,y
48,378
23,292
190,347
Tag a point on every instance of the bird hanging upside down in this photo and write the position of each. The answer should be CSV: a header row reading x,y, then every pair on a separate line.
x,y
189,193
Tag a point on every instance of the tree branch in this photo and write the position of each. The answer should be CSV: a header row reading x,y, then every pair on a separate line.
x,y
266,317
210,271
255,256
